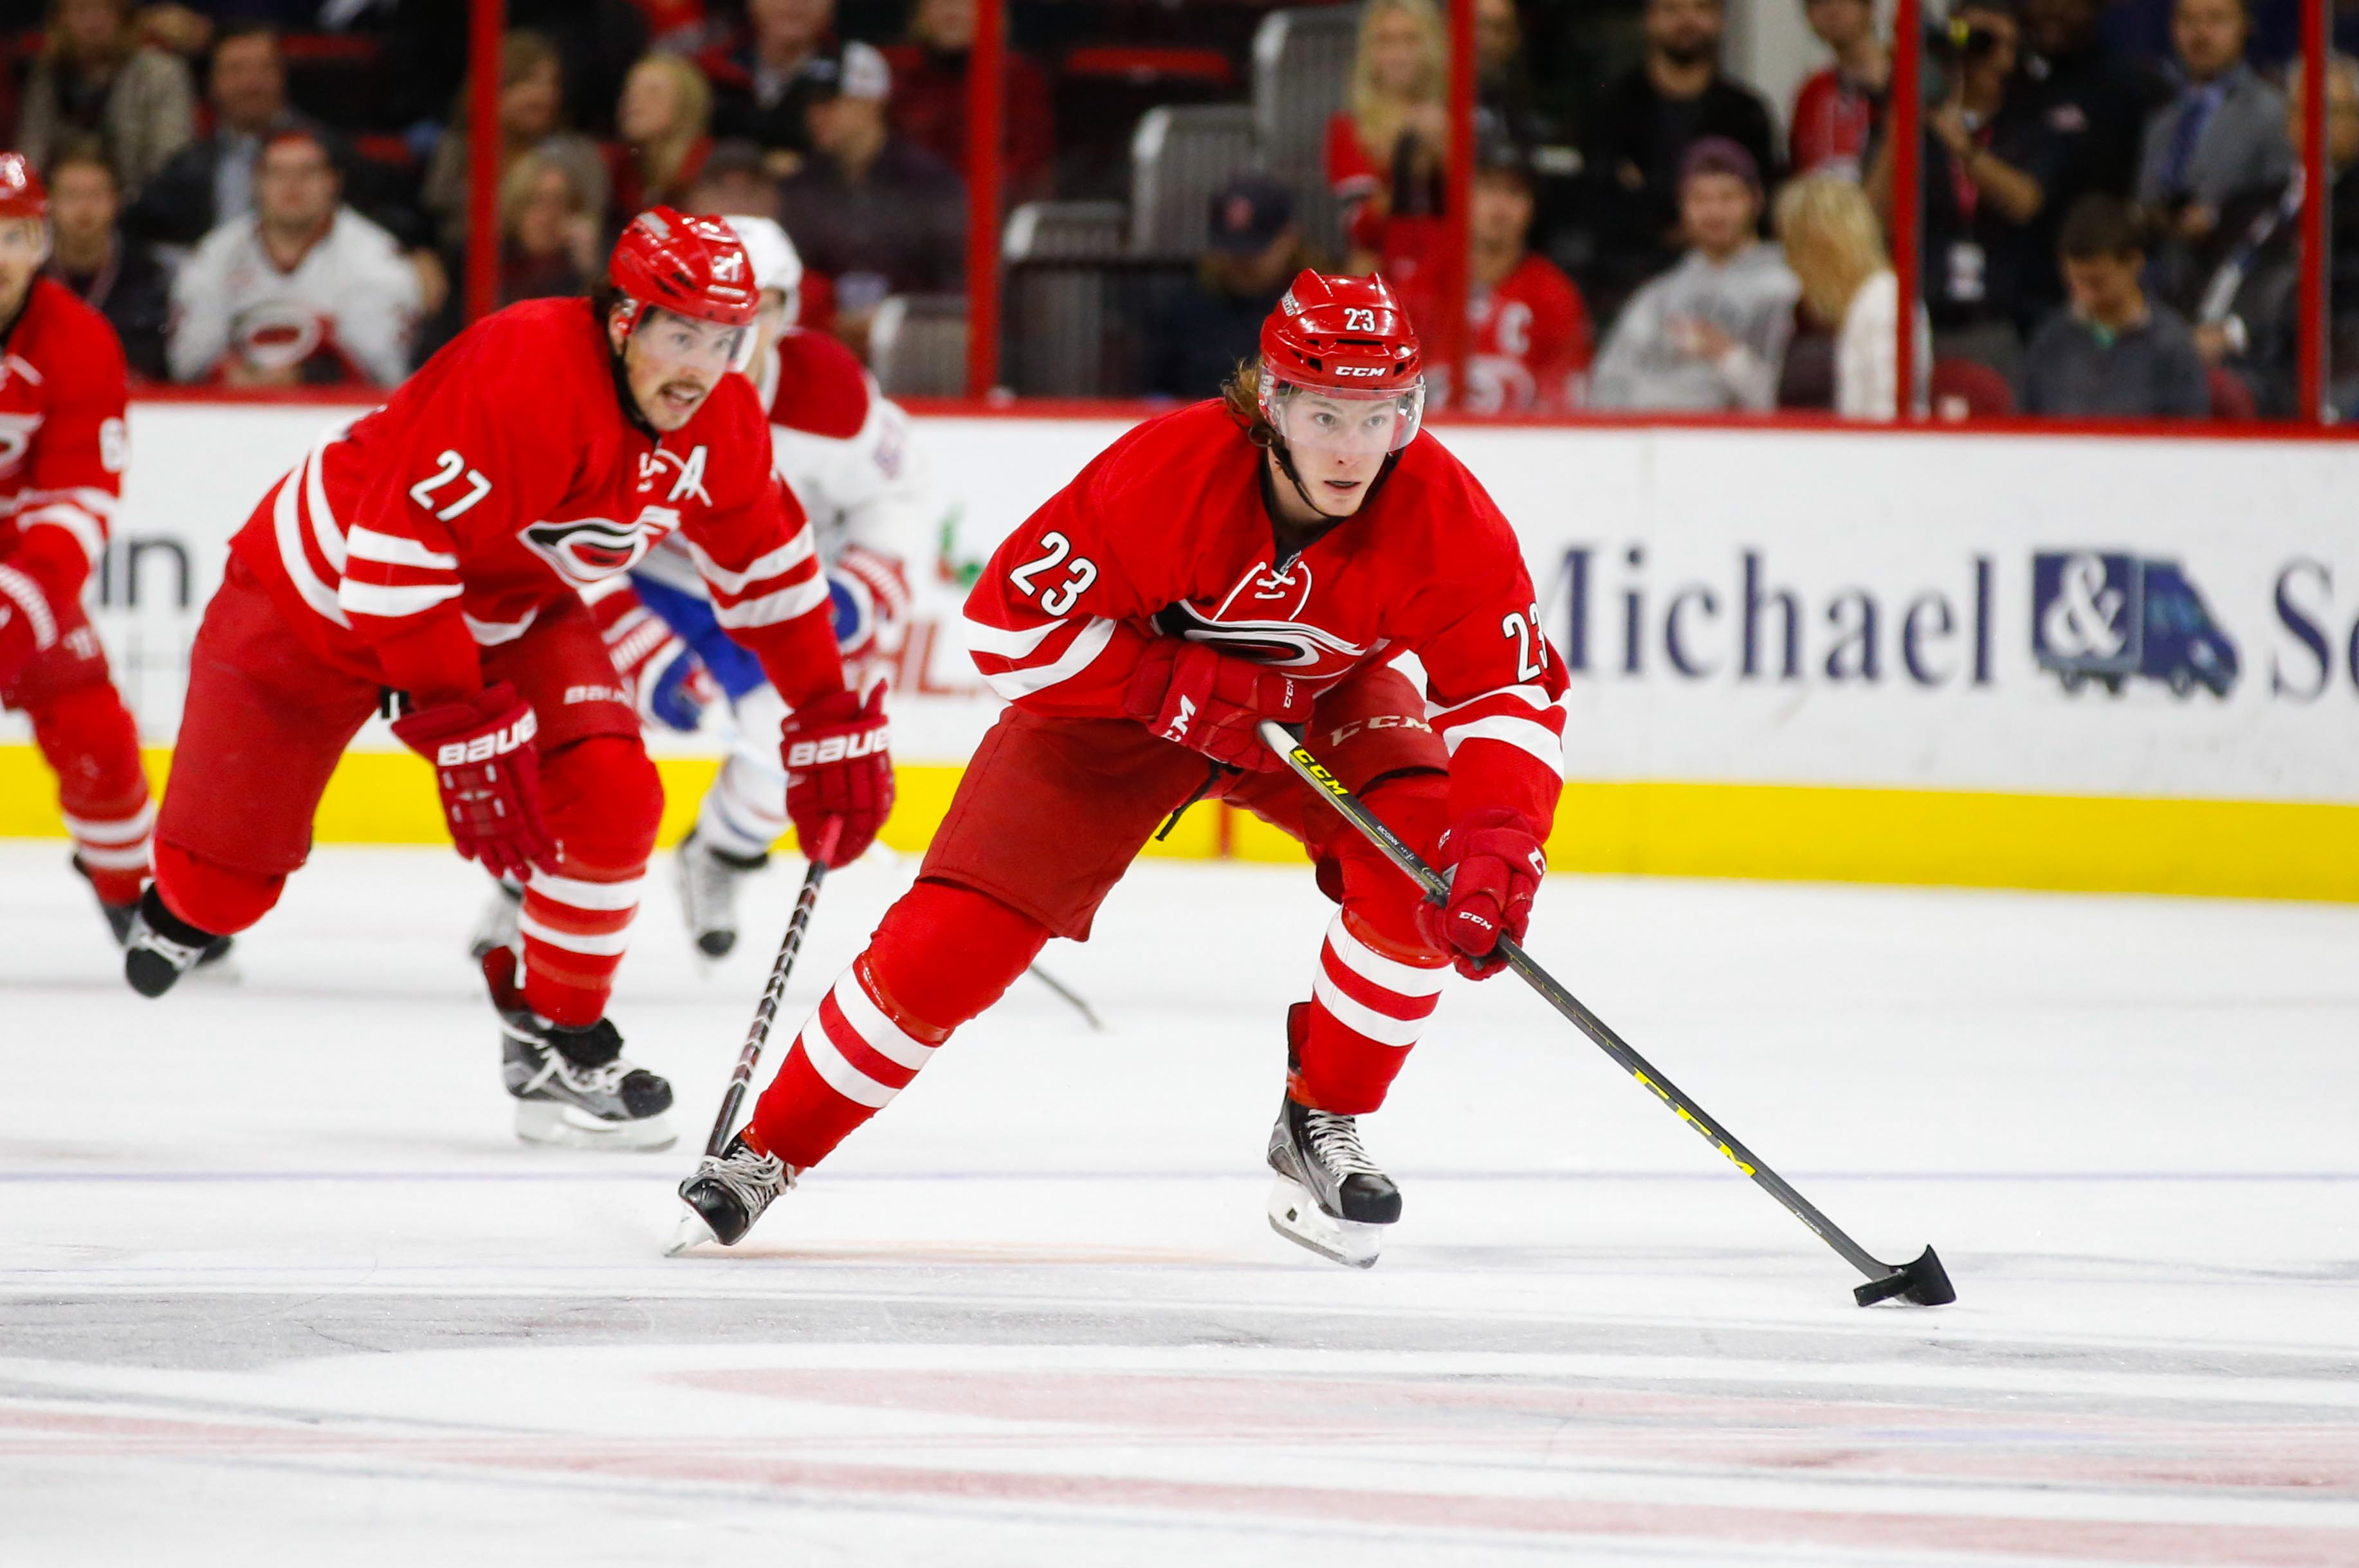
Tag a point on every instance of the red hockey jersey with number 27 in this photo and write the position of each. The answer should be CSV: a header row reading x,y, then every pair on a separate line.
x,y
501,479
1167,533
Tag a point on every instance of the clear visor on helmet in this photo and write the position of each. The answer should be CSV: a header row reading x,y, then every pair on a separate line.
x,y
24,240
684,344
1329,419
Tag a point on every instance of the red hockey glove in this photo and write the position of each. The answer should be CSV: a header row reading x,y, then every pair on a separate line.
x,y
837,766
1499,864
1189,693
490,777
28,624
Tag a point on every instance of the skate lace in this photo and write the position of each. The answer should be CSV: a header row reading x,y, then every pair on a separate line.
x,y
605,1080
1335,1141
180,955
752,1180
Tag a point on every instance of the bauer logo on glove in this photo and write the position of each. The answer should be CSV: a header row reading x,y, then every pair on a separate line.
x,y
484,748
836,748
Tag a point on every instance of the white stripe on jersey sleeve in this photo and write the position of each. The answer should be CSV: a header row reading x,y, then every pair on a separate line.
x,y
1524,734
784,558
983,639
1015,684
392,550
370,598
773,608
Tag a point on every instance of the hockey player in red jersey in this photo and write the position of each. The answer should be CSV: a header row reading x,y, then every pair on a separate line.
x,y
850,456
61,456
434,551
1264,557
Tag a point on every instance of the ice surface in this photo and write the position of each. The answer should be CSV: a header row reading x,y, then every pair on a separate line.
x,y
277,1284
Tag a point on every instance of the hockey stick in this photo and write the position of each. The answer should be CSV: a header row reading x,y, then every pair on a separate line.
x,y
1089,1015
1924,1280
767,1011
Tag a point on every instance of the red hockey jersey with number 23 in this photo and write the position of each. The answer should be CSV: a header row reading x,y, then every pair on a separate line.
x,y
1167,533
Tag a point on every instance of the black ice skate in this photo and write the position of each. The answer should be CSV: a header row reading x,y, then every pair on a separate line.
x,y
708,882
573,1086
1328,1197
158,946
728,1194
497,928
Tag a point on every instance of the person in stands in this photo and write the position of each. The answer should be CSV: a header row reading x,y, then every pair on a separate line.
x,y
114,275
302,291
1709,335
1836,108
2112,353
1393,135
1199,332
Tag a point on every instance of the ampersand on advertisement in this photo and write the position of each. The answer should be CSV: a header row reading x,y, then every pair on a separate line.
x,y
2084,619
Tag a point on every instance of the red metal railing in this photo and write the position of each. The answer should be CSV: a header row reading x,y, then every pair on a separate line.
x,y
986,76
1907,234
2317,194
487,20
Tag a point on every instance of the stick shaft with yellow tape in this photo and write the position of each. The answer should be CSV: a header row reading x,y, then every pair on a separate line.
x,y
1923,1280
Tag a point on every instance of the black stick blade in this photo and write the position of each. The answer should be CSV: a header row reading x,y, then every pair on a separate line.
x,y
1924,1281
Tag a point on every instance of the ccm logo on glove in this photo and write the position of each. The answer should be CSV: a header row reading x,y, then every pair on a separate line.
x,y
836,749
1197,696
484,748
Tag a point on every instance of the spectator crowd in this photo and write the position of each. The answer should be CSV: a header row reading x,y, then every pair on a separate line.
x,y
2109,194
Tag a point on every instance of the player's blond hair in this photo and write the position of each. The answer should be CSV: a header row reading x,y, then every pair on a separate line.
x,y
1242,396
1832,241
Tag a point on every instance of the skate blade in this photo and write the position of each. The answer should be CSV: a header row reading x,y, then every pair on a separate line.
x,y
691,1231
1295,1214
220,968
553,1126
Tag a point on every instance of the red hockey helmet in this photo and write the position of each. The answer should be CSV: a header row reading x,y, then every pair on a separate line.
x,y
22,194
1342,337
690,266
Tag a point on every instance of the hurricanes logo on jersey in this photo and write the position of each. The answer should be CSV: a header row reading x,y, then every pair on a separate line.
x,y
1263,619
588,548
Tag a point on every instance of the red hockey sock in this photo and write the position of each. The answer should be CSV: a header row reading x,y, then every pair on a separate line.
x,y
93,746
940,956
209,896
1378,981
1367,1008
601,800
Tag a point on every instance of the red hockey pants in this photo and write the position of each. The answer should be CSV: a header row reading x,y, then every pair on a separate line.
x,y
266,720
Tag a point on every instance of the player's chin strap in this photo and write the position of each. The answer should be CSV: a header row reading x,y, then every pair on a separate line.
x,y
1269,440
632,413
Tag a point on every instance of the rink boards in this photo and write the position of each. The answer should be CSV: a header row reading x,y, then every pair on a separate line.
x,y
2025,660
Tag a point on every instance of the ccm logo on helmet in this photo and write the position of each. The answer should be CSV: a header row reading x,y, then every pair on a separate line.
x,y
1361,370
836,749
484,748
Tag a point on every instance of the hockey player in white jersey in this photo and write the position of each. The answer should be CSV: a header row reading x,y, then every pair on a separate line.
x,y
849,455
